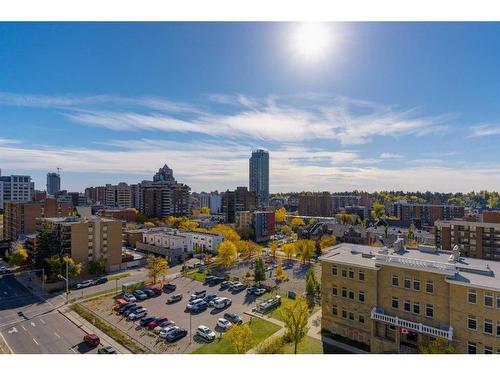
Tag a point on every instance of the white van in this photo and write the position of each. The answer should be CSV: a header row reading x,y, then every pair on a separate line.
x,y
222,302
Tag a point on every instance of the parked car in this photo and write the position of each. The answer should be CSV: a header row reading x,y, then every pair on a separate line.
x,y
138,314
190,304
222,302
101,280
216,280
226,284
208,279
3,269
157,290
132,310
165,331
176,334
251,290
106,350
149,292
146,320
206,333
155,323
260,291
237,287
169,287
202,306
209,298
233,318
140,294
125,307
198,294
174,298
223,324
92,340
162,326
84,284
129,297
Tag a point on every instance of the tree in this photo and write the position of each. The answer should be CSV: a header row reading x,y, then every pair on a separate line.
x,y
438,346
74,269
227,254
188,225
56,266
273,247
149,224
297,222
96,267
239,337
279,269
259,271
19,256
304,249
295,314
288,249
229,233
378,210
280,215
285,229
47,245
327,241
205,211
156,266
311,283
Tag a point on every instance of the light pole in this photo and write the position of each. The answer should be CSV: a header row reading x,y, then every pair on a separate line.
x,y
190,326
67,281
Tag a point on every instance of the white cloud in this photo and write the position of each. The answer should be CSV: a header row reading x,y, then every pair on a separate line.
x,y
390,155
485,130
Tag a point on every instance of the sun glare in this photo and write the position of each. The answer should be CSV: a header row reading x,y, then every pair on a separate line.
x,y
311,41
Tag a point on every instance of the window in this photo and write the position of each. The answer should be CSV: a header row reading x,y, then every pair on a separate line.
x,y
351,273
344,293
334,310
471,347
361,318
407,306
488,327
335,291
395,280
471,296
351,315
429,311
344,273
488,299
416,284
498,329
361,276
361,296
429,286
498,301
407,283
395,303
416,308
488,350
471,322
344,314
334,270
351,294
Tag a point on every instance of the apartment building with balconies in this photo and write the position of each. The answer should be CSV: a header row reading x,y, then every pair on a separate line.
x,y
396,300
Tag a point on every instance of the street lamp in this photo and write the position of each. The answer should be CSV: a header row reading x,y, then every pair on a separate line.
x,y
190,326
67,281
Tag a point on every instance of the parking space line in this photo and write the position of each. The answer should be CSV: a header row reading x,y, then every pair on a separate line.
x,y
36,342
55,333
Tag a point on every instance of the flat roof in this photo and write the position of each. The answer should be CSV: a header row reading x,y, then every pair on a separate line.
x,y
466,271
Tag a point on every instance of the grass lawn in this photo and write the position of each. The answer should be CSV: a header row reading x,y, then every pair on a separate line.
x,y
260,328
195,275
276,313
118,276
313,346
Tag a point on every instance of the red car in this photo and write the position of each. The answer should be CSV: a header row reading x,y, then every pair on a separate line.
x,y
92,340
157,290
155,323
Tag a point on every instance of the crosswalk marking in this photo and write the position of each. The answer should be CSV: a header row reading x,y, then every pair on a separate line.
x,y
55,333
12,330
42,321
36,342
33,324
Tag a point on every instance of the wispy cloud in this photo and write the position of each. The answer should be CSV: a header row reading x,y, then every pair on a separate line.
x,y
8,141
273,118
390,155
485,130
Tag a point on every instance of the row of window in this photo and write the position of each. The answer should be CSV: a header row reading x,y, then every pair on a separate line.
x,y
487,325
348,273
348,314
488,298
349,293
413,307
414,284
472,348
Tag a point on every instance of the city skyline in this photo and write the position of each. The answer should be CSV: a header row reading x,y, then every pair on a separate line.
x,y
389,107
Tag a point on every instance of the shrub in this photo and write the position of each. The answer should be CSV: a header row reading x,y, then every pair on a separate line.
x,y
272,346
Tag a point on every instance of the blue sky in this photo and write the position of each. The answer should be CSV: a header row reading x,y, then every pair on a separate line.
x,y
411,106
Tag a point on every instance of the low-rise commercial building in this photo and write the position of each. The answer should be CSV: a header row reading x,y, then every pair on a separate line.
x,y
395,300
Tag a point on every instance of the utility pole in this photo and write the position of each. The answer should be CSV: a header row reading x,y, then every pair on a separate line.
x,y
66,279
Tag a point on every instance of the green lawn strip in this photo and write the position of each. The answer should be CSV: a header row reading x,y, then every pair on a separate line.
x,y
195,275
276,313
102,293
260,328
310,345
118,276
108,329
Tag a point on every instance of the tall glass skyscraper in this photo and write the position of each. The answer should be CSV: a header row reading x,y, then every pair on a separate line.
x,y
53,183
259,176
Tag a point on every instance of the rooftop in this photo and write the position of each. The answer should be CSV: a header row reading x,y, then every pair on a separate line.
x,y
466,271
76,219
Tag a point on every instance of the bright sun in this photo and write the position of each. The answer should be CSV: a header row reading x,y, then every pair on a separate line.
x,y
311,40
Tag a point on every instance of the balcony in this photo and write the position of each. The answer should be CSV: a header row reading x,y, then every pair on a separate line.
x,y
380,315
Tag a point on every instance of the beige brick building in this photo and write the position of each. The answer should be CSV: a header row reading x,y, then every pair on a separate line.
x,y
88,239
396,300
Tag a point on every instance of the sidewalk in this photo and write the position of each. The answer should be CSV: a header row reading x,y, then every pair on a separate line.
x,y
87,327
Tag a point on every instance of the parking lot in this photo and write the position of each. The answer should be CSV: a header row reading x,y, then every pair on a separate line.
x,y
241,302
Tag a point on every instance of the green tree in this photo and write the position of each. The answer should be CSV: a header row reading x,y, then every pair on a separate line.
x,y
280,215
438,346
288,249
378,210
74,269
273,247
259,271
156,266
239,337
96,267
297,222
285,229
295,314
47,245
304,249
227,254
311,283
19,256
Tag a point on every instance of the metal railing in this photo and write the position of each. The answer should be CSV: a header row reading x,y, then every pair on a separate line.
x,y
417,263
